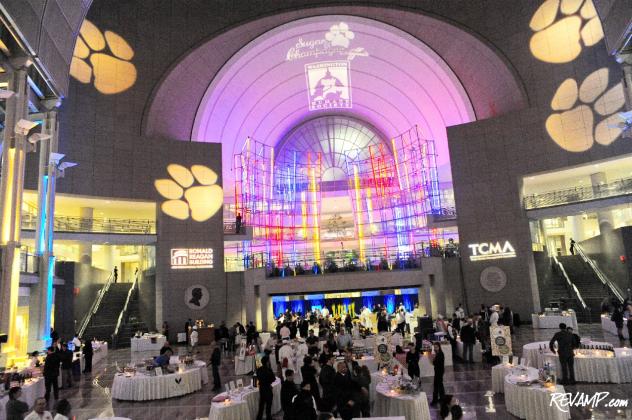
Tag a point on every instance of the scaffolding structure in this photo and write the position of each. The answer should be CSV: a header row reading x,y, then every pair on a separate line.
x,y
392,188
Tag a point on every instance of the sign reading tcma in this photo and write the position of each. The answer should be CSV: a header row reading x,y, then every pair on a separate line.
x,y
491,251
191,258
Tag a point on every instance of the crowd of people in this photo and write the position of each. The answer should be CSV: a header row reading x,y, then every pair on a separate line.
x,y
59,359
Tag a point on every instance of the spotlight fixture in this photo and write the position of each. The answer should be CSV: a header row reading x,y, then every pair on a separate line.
x,y
24,126
37,137
63,166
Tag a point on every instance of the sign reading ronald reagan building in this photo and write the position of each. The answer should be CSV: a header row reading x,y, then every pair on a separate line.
x,y
491,251
191,258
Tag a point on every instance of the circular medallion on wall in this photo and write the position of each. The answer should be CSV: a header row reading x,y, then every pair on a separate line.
x,y
493,279
196,297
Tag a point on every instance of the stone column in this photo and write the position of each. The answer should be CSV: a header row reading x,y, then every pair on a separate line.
x,y
85,249
576,224
11,188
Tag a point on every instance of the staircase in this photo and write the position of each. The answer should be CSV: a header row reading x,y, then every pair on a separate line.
x,y
133,322
593,291
103,322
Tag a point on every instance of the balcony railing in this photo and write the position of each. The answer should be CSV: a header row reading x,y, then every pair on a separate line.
x,y
95,225
616,188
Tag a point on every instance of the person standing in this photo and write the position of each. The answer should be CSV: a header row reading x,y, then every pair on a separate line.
x,y
572,247
347,398
327,379
308,373
66,366
493,318
265,379
194,338
88,351
468,337
238,223
62,410
51,372
16,409
630,323
115,272
216,361
288,392
565,346
303,404
617,318
438,361
39,411
412,361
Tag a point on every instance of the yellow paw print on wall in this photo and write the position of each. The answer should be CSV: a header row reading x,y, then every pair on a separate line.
x,y
200,202
574,129
104,59
561,26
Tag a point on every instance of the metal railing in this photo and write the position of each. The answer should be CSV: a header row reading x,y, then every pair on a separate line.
x,y
444,213
95,305
578,194
123,313
95,225
571,285
600,275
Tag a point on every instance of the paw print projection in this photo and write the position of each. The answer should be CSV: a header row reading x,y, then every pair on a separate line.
x,y
562,28
103,58
580,106
186,200
339,35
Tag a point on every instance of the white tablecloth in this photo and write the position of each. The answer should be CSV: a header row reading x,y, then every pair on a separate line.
x,y
144,387
244,405
553,321
477,352
532,402
100,352
599,369
144,343
531,352
30,392
411,407
498,377
368,361
175,360
243,367
608,326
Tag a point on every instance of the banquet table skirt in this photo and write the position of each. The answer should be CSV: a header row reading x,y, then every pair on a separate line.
x,y
411,407
243,367
553,321
145,343
477,352
30,392
598,369
608,326
144,388
236,410
498,377
252,399
624,364
532,403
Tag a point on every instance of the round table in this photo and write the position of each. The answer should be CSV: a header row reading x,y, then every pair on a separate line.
x,y
535,353
146,343
532,402
410,406
175,360
141,387
244,404
598,366
31,391
498,376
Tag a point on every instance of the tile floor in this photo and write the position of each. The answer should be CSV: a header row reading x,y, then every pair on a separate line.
x,y
91,399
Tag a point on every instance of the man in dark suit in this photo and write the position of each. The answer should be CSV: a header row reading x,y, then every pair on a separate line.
x,y
51,372
565,345
468,337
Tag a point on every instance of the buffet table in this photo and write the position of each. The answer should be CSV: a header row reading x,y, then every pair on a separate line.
x,y
389,402
477,352
536,353
244,367
141,387
553,321
608,326
533,401
31,390
147,342
599,366
244,403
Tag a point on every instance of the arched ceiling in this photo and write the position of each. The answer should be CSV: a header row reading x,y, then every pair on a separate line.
x,y
262,92
247,87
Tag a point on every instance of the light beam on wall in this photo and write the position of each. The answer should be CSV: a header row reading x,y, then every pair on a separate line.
x,y
200,202
104,59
